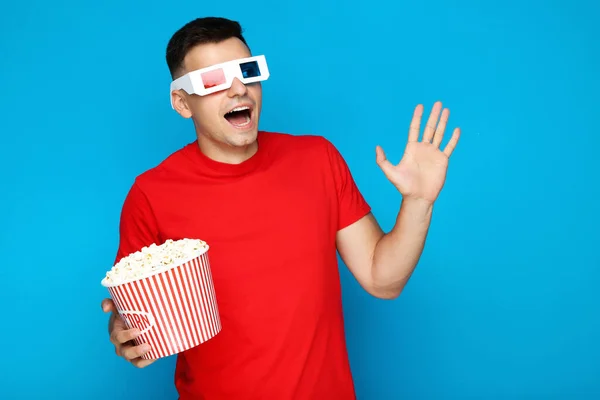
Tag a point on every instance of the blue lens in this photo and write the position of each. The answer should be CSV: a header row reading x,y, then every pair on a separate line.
x,y
250,69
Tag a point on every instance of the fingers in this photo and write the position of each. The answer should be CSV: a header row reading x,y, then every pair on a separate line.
x,y
119,336
439,131
125,347
415,124
141,363
132,353
432,122
452,142
434,130
123,338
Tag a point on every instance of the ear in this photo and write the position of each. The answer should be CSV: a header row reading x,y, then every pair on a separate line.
x,y
178,97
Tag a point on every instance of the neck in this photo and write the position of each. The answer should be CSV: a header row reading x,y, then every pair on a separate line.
x,y
226,153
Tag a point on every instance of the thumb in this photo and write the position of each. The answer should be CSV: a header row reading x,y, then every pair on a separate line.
x,y
382,161
108,305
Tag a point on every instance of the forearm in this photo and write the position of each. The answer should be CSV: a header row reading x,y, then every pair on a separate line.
x,y
397,253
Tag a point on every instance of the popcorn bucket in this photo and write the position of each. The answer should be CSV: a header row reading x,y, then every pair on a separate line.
x,y
174,309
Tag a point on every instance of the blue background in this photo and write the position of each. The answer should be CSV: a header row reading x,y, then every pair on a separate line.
x,y
504,302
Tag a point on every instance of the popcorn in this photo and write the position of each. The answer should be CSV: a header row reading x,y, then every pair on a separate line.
x,y
154,259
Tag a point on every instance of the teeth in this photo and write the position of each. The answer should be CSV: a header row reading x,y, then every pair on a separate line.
x,y
239,109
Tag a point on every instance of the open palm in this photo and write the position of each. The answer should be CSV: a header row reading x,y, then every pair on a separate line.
x,y
421,172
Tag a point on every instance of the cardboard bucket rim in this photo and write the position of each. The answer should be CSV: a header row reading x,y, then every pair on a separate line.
x,y
150,274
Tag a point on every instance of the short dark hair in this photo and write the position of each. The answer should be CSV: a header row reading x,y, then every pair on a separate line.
x,y
197,32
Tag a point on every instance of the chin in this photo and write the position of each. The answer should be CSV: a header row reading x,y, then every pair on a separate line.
x,y
244,138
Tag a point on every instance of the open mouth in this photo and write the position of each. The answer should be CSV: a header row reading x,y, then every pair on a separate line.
x,y
240,117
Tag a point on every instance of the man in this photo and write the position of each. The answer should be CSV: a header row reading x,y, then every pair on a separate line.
x,y
274,209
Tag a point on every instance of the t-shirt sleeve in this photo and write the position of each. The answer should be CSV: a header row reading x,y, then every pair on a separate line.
x,y
351,204
137,227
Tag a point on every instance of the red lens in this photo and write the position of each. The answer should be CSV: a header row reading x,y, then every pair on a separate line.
x,y
213,78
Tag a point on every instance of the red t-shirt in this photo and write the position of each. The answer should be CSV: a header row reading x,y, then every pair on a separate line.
x,y
271,224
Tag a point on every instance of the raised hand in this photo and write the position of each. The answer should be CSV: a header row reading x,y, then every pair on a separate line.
x,y
421,172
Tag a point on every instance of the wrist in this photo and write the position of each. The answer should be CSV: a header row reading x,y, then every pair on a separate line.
x,y
417,205
415,213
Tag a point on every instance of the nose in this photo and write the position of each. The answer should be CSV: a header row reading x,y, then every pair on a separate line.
x,y
237,88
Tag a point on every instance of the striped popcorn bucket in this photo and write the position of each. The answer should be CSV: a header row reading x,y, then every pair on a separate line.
x,y
174,310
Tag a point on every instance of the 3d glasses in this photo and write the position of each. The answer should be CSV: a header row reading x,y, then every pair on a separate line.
x,y
220,76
